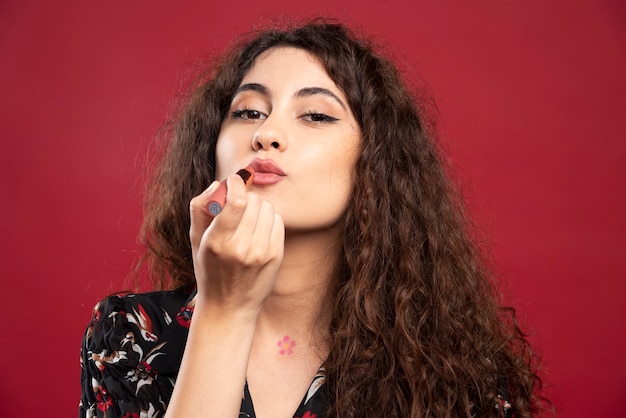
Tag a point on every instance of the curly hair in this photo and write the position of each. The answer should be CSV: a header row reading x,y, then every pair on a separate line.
x,y
417,329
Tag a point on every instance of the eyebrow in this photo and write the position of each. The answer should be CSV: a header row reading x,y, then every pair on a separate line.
x,y
311,91
303,92
259,88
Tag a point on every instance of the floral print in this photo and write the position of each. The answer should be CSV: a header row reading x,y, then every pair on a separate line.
x,y
131,353
183,317
104,401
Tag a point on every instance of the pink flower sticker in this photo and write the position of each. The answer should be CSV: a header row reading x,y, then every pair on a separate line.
x,y
286,345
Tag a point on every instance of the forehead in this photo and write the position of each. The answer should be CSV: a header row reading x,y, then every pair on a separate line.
x,y
288,65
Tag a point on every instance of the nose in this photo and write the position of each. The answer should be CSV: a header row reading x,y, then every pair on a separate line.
x,y
270,135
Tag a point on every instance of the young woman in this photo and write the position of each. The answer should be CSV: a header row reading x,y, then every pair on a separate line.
x,y
341,282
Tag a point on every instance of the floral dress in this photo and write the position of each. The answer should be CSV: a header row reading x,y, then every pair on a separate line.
x,y
131,354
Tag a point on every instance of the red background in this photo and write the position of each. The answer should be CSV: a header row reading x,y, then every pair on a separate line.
x,y
532,97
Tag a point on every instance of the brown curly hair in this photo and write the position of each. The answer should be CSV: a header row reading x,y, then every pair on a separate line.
x,y
417,330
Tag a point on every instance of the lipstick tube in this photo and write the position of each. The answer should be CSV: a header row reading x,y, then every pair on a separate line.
x,y
218,198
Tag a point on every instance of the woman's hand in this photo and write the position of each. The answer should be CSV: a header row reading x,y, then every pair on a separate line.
x,y
236,257
237,254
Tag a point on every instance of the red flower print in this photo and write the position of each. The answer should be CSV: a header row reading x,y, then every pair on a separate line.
x,y
142,320
183,317
308,414
286,345
131,415
104,401
144,367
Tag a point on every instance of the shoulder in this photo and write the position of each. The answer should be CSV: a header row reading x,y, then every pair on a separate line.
x,y
160,300
124,328
131,352
149,312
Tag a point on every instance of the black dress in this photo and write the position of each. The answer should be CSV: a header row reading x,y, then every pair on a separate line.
x,y
131,354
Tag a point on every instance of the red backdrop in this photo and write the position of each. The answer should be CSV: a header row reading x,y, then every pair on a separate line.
x,y
532,100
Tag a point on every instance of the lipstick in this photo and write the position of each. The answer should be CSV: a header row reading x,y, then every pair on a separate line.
x,y
266,172
218,198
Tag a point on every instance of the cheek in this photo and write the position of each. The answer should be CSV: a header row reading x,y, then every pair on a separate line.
x,y
348,175
345,165
225,155
339,184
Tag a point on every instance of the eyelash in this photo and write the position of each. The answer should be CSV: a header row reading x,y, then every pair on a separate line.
x,y
311,116
246,111
321,117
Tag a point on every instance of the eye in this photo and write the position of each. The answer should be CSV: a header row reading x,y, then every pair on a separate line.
x,y
318,117
248,114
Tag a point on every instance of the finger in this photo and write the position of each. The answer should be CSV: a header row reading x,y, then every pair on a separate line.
x,y
253,235
277,239
243,239
263,231
233,209
200,219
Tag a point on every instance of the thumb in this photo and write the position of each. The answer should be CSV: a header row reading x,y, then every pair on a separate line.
x,y
200,217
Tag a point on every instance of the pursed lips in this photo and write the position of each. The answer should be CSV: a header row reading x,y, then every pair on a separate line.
x,y
267,172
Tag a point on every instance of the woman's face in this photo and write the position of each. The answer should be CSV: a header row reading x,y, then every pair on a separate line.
x,y
293,124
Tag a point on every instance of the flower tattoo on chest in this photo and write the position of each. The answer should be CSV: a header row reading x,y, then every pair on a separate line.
x,y
286,345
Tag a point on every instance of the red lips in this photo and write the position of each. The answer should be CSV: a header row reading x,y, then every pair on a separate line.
x,y
267,172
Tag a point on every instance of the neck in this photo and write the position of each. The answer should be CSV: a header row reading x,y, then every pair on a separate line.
x,y
297,304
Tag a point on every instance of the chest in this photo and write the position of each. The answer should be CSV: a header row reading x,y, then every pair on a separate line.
x,y
274,390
